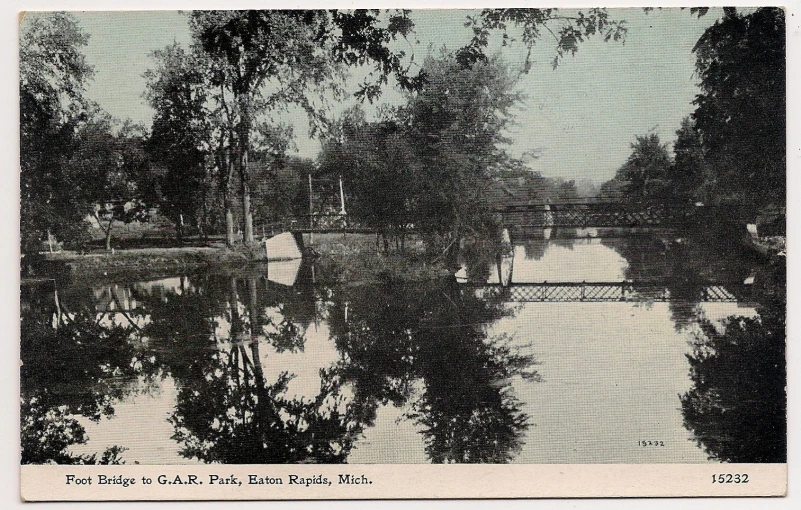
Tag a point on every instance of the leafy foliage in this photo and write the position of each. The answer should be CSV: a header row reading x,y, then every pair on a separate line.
x,y
402,343
741,111
377,161
53,77
568,31
457,127
687,175
644,175
62,352
737,407
732,147
180,137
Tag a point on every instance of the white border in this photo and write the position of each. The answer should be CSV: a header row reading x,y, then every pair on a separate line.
x,y
9,198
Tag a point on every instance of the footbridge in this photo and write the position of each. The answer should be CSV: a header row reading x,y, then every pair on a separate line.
x,y
618,215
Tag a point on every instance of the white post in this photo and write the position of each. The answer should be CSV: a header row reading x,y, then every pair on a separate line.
x,y
342,197
311,213
342,209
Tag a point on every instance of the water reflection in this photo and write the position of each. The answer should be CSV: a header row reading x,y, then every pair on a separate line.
x,y
400,333
245,368
227,411
738,403
71,365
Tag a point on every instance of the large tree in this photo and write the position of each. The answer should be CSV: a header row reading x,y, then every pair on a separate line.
x,y
741,110
180,138
456,125
643,177
53,77
687,174
263,61
377,161
111,159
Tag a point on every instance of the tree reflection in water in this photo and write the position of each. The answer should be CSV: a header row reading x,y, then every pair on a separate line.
x,y
72,364
737,405
422,345
397,333
685,265
226,410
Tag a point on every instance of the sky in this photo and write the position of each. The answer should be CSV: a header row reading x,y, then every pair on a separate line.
x,y
581,118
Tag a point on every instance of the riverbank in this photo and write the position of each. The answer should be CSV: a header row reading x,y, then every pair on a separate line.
x,y
353,258
357,259
140,261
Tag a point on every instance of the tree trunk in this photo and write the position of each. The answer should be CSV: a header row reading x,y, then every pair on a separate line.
x,y
246,211
108,235
253,309
230,240
236,320
244,172
452,256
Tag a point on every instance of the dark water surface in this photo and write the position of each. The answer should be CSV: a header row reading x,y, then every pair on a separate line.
x,y
287,364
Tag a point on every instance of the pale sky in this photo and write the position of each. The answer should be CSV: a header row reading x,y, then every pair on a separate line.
x,y
582,117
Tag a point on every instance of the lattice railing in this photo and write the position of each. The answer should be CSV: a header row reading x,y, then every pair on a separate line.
x,y
611,292
593,215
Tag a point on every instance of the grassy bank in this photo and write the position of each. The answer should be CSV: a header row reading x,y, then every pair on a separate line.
x,y
352,258
142,261
356,258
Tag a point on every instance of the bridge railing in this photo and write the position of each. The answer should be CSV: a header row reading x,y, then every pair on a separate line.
x,y
620,215
595,292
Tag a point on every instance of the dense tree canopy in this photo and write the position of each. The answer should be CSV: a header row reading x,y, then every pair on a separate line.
x,y
53,77
215,105
741,110
180,137
644,175
733,146
428,162
377,161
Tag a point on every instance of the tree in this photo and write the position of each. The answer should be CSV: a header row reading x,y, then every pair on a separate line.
x,y
283,186
401,342
644,175
737,406
53,77
377,160
741,110
686,175
289,54
115,166
456,128
71,364
180,137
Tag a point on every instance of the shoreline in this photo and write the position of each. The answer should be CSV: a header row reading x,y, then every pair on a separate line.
x,y
351,258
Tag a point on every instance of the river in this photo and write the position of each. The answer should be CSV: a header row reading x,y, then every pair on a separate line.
x,y
289,364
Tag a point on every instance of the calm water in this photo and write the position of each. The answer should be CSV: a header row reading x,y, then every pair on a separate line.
x,y
290,364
